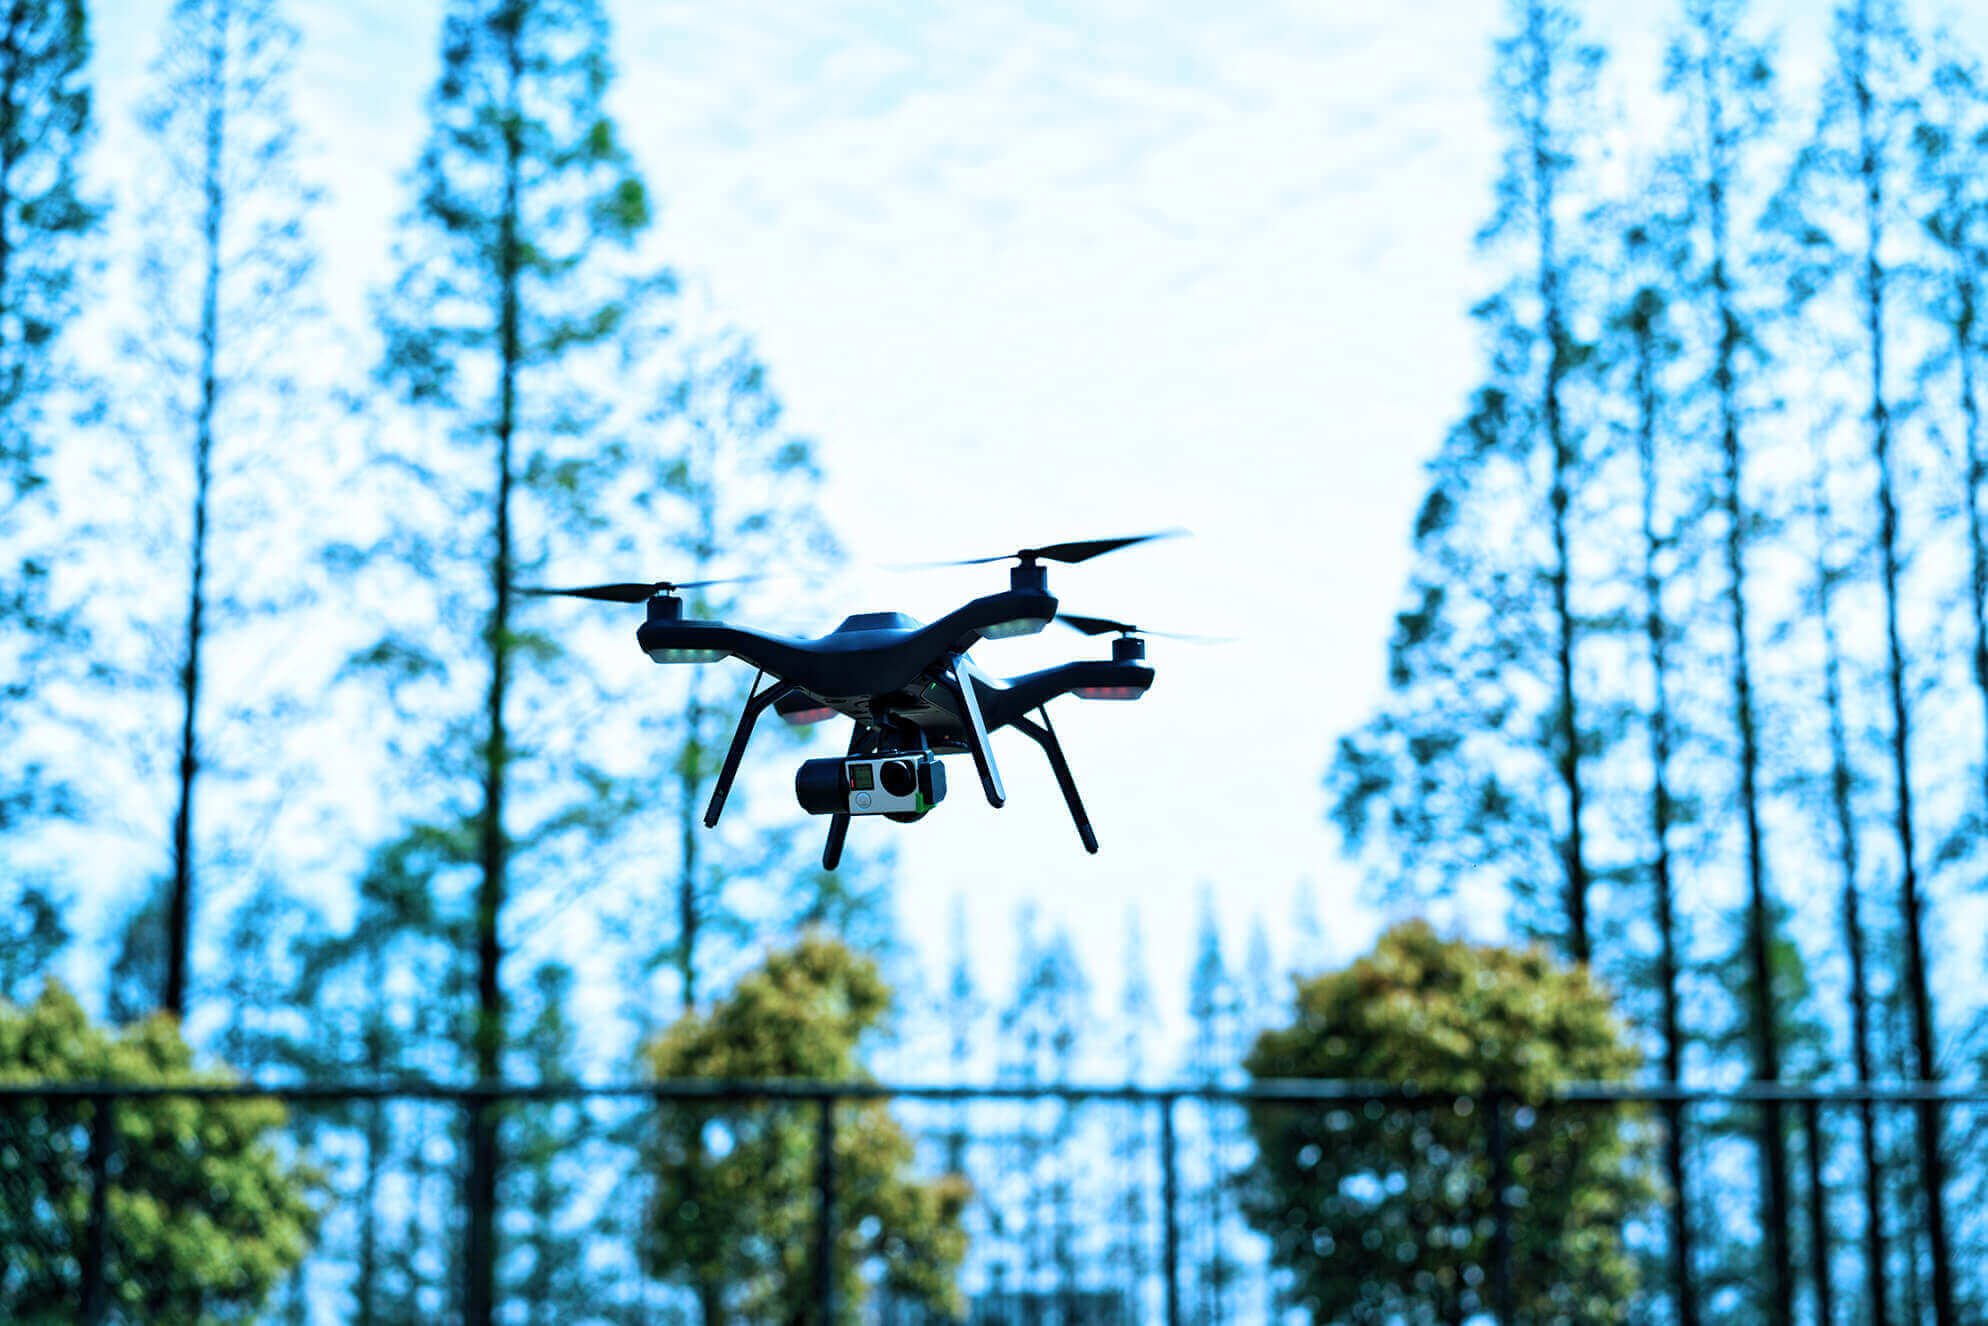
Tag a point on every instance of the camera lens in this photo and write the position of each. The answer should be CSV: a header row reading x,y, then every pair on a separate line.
x,y
819,787
898,778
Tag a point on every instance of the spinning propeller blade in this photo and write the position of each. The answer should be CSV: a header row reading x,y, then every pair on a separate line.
x,y
1106,626
1081,550
630,592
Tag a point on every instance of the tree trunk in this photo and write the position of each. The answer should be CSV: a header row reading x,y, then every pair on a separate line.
x,y
689,769
692,768
1977,474
1898,1050
10,79
1840,786
1567,756
1656,634
179,907
1765,1027
710,1293
365,1282
1917,980
691,762
1821,1286
481,1250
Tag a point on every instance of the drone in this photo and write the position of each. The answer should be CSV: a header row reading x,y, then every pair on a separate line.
x,y
913,692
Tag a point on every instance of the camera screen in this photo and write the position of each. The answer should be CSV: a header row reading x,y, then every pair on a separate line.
x,y
862,777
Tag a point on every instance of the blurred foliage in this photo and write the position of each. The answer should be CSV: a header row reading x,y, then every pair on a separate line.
x,y
32,933
47,216
1384,1215
205,1216
737,1200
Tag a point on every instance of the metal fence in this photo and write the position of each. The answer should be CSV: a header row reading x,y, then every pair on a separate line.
x,y
1089,1204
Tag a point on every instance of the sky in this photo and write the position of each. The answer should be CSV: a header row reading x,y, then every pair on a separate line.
x,y
1031,272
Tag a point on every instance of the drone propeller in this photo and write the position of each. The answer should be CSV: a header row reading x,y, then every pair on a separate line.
x,y
1081,550
632,592
1106,626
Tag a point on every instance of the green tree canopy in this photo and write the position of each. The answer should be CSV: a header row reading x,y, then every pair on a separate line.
x,y
1385,1215
735,1203
205,1214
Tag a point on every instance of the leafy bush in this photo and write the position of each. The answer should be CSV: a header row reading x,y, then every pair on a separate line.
x,y
735,1206
1385,1215
204,1216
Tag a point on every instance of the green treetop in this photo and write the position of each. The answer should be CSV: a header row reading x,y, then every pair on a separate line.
x,y
737,1218
205,1215
1387,1216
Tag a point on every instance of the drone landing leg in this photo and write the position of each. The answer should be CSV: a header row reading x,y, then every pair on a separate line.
x,y
755,705
1045,737
860,741
976,740
838,832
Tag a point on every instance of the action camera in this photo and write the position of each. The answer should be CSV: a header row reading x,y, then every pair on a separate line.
x,y
871,785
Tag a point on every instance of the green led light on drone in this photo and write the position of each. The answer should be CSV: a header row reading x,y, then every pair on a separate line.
x,y
686,655
1010,629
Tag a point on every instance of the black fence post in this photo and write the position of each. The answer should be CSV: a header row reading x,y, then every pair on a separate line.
x,y
1684,1281
480,1208
825,1211
96,1236
1825,1299
1501,1212
1170,1204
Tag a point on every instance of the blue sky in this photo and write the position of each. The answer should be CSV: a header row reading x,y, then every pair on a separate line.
x,y
1043,271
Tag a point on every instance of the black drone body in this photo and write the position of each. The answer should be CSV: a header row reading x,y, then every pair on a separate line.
x,y
912,691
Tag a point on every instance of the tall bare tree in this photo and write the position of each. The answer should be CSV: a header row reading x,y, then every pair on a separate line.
x,y
1843,783
1853,172
1725,84
1950,160
1476,764
508,276
216,375
1645,349
726,485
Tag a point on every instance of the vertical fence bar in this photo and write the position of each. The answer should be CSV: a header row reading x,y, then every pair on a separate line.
x,y
96,1236
1683,1283
1501,1212
1170,1206
825,1210
483,1109
480,1208
1825,1300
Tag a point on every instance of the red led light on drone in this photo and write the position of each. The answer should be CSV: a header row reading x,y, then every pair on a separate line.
x,y
802,717
1108,692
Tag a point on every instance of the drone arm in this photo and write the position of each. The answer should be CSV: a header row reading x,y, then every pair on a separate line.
x,y
1018,696
966,689
1044,735
756,704
1011,612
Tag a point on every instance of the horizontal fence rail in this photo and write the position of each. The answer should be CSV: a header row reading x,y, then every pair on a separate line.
x,y
1089,1203
1296,1090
